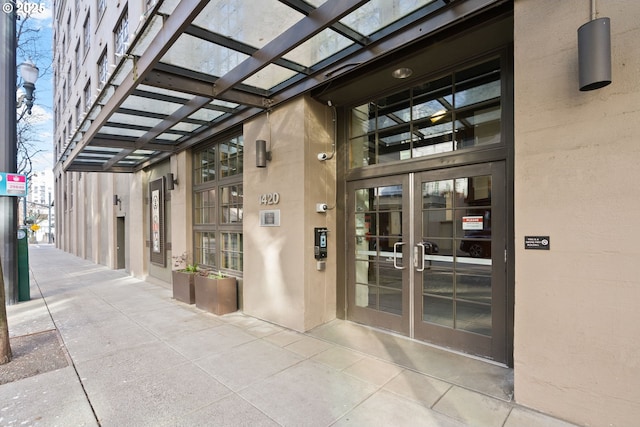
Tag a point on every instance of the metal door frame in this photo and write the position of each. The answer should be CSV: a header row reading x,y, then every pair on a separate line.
x,y
364,315
494,347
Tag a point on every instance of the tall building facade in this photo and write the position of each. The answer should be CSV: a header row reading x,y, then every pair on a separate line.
x,y
38,208
426,167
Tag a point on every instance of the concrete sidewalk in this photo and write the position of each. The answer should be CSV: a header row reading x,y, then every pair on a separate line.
x,y
139,358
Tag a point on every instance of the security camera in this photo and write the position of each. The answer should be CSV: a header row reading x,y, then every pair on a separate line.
x,y
323,156
321,207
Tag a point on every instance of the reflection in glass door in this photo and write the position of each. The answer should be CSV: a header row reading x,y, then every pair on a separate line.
x,y
460,281
427,257
378,244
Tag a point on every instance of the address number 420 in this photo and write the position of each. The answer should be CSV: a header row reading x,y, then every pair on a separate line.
x,y
269,198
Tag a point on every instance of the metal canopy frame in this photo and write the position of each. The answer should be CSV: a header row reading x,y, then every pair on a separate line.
x,y
120,133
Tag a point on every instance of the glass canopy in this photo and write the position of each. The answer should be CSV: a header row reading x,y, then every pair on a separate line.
x,y
196,68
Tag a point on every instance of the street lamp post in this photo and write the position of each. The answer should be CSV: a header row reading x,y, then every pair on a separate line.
x,y
8,157
29,73
9,147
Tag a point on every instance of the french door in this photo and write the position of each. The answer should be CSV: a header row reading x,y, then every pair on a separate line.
x,y
427,256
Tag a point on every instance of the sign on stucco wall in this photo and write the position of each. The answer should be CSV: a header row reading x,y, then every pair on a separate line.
x,y
537,242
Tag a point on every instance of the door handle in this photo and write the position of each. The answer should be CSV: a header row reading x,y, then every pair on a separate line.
x,y
415,256
395,255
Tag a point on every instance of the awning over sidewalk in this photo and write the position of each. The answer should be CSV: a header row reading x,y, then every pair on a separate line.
x,y
197,68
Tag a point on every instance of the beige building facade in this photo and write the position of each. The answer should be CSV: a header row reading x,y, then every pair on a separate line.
x,y
476,201
574,152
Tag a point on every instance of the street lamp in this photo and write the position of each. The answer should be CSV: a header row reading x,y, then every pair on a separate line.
x,y
8,146
29,73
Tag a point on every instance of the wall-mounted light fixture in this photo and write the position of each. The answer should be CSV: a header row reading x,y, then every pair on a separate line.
x,y
594,52
262,155
116,200
171,181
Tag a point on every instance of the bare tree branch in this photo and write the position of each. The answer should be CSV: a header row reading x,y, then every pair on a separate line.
x,y
28,34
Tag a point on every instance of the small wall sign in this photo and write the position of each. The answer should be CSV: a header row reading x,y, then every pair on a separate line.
x,y
537,242
270,218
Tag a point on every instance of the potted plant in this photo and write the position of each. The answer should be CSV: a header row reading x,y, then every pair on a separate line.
x,y
182,279
216,293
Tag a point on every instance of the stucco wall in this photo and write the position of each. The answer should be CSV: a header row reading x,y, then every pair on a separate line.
x,y
281,283
577,321
137,252
180,210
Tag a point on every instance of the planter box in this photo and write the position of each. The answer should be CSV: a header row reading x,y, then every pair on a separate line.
x,y
183,286
217,296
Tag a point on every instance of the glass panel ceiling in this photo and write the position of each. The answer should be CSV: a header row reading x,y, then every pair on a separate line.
x,y
206,115
187,127
225,104
198,55
130,119
377,14
169,136
108,130
223,35
142,104
102,149
269,77
147,37
318,48
251,22
167,92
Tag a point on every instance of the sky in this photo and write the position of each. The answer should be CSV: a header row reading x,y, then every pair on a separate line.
x,y
42,111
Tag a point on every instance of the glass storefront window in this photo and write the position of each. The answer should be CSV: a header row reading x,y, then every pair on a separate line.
x,y
231,201
204,206
454,112
231,251
231,157
218,205
204,165
205,249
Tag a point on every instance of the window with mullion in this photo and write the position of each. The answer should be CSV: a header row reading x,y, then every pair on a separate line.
x,y
205,206
231,250
231,201
231,157
122,34
102,70
457,111
87,35
77,57
204,166
102,5
87,96
218,205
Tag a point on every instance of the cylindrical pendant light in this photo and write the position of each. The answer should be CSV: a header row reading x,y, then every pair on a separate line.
x,y
594,54
262,155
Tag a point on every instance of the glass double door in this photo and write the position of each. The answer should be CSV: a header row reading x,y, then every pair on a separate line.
x,y
427,257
